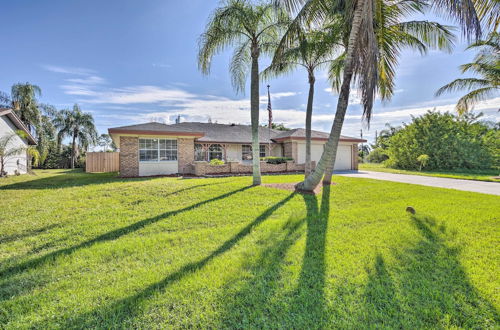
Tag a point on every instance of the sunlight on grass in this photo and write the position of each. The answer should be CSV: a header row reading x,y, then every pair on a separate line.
x,y
479,175
95,251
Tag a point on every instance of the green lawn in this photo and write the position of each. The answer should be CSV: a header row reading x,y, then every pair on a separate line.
x,y
93,251
479,175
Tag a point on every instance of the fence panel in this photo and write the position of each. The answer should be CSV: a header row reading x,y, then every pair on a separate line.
x,y
102,162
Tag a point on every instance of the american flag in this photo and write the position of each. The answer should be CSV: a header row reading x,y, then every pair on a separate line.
x,y
269,108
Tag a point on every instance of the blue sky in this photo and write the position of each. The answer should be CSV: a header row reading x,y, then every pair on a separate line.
x,y
135,61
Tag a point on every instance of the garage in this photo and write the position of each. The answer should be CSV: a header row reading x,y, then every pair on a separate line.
x,y
344,158
344,154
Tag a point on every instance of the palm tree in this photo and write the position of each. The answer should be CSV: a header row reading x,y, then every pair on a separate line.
x,y
312,50
253,30
77,125
486,65
25,103
361,60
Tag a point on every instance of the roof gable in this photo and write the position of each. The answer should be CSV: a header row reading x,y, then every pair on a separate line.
x,y
9,113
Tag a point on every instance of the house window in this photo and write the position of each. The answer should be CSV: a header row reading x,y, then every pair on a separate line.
x,y
199,153
262,150
246,152
153,150
168,150
215,152
148,150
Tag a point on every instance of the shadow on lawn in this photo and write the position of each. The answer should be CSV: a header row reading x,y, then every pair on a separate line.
x,y
27,233
426,288
126,308
39,231
67,179
261,302
111,235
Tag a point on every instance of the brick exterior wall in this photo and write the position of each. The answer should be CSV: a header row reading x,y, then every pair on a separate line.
x,y
204,168
185,155
129,156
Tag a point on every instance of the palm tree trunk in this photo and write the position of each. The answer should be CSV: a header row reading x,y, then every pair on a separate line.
x,y
309,110
73,151
327,160
254,113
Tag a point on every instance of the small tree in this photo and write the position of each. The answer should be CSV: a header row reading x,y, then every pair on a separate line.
x,y
423,160
106,142
7,151
79,127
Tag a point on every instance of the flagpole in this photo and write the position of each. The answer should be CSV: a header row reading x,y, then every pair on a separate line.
x,y
270,117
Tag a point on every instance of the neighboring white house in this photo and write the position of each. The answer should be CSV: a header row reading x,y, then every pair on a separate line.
x,y
9,124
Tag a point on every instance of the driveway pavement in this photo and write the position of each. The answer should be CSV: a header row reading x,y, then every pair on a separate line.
x,y
492,188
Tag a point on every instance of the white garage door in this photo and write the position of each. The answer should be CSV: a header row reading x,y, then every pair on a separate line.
x,y
343,160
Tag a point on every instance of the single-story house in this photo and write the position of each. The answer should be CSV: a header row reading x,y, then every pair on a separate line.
x,y
10,123
160,149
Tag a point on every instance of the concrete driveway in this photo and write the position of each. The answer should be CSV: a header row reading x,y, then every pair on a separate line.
x,y
492,188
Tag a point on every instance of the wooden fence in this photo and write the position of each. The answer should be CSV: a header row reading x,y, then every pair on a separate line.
x,y
102,162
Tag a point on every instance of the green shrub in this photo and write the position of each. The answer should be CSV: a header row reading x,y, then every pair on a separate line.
x,y
449,141
377,155
492,143
216,162
275,160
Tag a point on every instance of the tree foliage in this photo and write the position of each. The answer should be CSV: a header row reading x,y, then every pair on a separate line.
x,y
486,70
451,142
79,127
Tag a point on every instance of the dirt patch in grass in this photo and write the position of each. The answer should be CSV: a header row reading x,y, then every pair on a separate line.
x,y
291,187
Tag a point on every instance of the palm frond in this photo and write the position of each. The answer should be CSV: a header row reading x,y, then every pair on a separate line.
x,y
464,83
466,102
462,11
430,34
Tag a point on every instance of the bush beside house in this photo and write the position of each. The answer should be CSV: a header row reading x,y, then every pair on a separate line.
x,y
451,142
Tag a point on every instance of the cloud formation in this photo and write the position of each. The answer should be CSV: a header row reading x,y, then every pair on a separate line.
x,y
143,103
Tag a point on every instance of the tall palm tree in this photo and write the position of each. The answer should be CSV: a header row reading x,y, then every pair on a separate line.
x,y
253,30
361,60
486,65
46,132
79,127
312,50
25,103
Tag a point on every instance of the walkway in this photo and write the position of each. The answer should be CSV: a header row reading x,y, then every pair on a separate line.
x,y
492,188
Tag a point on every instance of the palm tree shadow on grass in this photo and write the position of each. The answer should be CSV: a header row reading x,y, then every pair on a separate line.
x,y
38,231
308,310
111,235
259,303
67,179
126,308
427,288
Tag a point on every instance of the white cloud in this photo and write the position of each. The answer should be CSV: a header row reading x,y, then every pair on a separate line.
x,y
90,80
140,94
68,70
355,94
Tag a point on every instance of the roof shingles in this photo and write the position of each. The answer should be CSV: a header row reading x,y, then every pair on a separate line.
x,y
227,133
